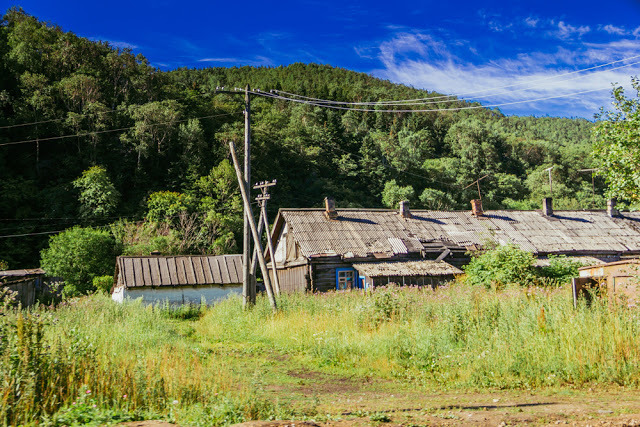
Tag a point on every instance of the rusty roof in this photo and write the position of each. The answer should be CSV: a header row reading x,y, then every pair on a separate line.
x,y
407,268
367,231
153,271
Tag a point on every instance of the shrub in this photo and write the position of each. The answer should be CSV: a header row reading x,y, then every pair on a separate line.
x,y
501,266
3,265
77,255
561,269
103,283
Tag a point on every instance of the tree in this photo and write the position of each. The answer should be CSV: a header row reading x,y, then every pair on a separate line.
x,y
394,194
98,196
616,148
78,255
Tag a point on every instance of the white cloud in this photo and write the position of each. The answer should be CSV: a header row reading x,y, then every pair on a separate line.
x,y
565,31
612,29
219,60
531,22
421,61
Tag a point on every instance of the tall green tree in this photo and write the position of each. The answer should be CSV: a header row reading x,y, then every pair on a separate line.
x,y
98,196
616,148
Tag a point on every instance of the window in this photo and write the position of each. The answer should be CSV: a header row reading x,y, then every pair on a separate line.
x,y
345,278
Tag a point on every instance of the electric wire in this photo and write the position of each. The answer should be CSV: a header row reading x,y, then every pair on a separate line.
x,y
459,98
113,130
464,94
474,107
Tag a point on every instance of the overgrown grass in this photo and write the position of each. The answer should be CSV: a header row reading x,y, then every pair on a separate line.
x,y
458,337
95,361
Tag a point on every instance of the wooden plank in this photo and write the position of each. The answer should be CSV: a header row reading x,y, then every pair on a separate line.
x,y
128,270
199,270
237,264
190,271
146,271
164,271
224,270
182,279
173,271
156,279
215,270
206,268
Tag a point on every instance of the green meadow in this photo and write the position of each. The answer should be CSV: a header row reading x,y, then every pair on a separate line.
x,y
93,361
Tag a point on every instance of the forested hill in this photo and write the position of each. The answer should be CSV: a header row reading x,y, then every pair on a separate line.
x,y
80,103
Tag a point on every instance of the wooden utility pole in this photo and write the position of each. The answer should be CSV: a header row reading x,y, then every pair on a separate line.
x,y
248,282
477,181
550,180
252,226
262,202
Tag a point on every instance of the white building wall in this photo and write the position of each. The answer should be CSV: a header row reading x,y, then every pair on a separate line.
x,y
177,295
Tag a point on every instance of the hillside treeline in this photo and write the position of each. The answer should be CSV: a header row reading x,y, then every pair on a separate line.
x,y
161,142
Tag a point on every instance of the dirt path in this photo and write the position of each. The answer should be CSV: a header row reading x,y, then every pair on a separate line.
x,y
345,401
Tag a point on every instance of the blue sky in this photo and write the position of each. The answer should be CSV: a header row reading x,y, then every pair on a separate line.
x,y
495,52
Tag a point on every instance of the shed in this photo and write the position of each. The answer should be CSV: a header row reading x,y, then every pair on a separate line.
x,y
408,273
24,283
621,279
177,279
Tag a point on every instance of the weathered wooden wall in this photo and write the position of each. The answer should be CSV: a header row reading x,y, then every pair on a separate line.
x,y
293,279
25,289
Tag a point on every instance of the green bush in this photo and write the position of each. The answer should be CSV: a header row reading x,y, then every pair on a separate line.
x,y
103,283
501,266
3,265
77,255
561,269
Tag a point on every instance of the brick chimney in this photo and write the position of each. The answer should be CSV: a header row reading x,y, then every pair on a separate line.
x,y
611,208
330,208
547,206
404,209
476,207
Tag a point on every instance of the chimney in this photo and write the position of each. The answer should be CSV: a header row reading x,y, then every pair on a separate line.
x,y
476,207
611,208
330,208
404,209
547,206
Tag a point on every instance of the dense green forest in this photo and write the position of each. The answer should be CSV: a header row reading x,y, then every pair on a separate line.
x,y
93,135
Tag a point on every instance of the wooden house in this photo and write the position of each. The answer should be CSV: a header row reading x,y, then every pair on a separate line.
x,y
177,279
23,283
324,249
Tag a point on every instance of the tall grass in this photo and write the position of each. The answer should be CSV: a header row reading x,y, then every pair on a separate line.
x,y
93,360
456,337
63,366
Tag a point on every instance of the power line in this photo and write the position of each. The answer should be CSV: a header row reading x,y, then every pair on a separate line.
x,y
475,107
113,130
31,234
462,95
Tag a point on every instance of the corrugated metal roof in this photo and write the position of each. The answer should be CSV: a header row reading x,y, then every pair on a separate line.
x,y
25,272
365,231
153,271
407,268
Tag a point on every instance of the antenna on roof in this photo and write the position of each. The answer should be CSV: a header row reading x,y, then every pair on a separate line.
x,y
550,181
593,184
477,181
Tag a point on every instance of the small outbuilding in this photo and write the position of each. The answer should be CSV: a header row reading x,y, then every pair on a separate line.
x,y
620,279
177,279
407,273
24,283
